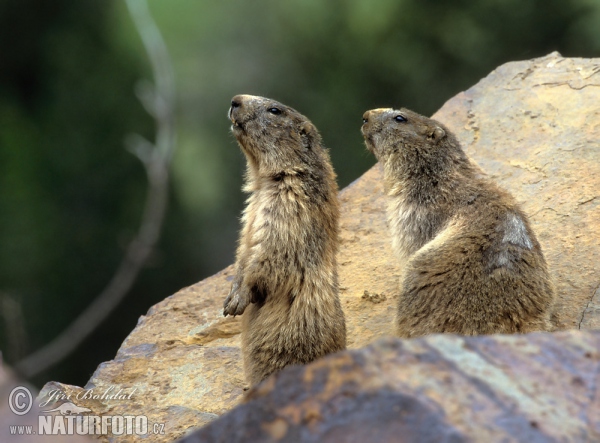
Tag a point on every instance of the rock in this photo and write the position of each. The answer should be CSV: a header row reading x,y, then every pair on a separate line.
x,y
591,316
532,125
541,387
16,428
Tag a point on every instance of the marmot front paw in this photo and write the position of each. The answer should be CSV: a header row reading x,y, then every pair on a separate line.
x,y
237,300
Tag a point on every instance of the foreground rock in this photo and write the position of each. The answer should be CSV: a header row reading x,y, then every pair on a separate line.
x,y
20,415
532,125
443,388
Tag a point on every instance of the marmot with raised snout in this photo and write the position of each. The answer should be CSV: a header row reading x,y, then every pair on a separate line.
x,y
286,280
472,264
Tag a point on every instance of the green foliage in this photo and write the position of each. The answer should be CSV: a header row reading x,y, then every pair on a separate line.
x,y
71,196
68,189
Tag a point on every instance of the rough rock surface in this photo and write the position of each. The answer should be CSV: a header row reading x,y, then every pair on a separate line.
x,y
15,428
534,126
442,388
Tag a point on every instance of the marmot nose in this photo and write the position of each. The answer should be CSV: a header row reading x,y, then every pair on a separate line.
x,y
238,100
366,117
236,104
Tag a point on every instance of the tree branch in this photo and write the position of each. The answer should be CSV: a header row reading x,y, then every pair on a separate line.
x,y
156,158
14,324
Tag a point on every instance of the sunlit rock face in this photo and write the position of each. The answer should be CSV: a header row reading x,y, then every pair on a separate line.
x,y
534,127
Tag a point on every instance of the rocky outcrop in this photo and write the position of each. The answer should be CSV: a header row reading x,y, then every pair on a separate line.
x,y
442,388
534,126
19,415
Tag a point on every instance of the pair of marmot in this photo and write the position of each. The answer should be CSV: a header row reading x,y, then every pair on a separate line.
x,y
472,264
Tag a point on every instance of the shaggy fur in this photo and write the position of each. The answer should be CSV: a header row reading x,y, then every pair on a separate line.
x,y
286,280
472,264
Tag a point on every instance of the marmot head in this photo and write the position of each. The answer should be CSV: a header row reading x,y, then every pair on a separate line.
x,y
389,130
275,138
417,153
413,148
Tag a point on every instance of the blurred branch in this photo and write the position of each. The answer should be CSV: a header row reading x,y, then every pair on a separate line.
x,y
14,325
156,158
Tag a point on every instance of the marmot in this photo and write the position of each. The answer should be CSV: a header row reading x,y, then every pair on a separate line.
x,y
472,262
286,281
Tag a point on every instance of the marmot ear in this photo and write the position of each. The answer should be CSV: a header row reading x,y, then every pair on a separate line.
x,y
437,134
308,133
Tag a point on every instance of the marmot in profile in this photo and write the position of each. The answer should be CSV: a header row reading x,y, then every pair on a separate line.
x,y
472,263
286,281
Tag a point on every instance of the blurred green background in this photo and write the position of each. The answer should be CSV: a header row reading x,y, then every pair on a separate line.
x,y
71,196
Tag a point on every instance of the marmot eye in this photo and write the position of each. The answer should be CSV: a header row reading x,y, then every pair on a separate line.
x,y
275,111
365,120
400,118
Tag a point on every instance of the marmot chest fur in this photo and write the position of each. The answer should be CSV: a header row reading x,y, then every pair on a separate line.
x,y
286,281
472,264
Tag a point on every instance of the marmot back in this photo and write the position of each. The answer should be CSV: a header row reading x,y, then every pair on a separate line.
x,y
472,264
286,281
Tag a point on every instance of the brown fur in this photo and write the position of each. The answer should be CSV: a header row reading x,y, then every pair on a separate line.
x,y
286,280
472,262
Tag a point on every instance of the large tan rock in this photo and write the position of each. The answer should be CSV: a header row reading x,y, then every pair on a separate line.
x,y
534,126
442,388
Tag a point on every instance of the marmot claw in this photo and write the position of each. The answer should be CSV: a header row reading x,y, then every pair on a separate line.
x,y
236,302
